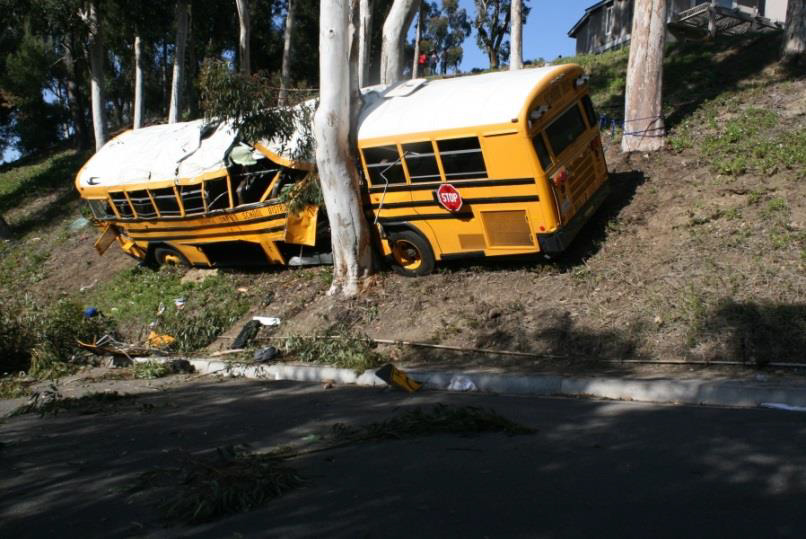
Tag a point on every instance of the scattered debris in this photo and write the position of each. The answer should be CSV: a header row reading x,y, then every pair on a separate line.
x,y
179,303
269,321
438,420
247,334
242,289
90,312
78,224
86,287
395,377
159,341
461,383
328,384
197,275
266,354
202,488
51,401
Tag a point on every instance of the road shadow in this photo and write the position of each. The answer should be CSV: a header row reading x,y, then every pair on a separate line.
x,y
591,468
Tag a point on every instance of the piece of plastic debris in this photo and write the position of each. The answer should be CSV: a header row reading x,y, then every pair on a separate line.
x,y
90,312
242,290
267,320
782,406
161,308
395,377
78,224
159,341
313,260
461,383
180,303
266,354
88,286
247,334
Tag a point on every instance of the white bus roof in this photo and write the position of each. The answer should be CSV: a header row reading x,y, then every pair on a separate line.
x,y
442,104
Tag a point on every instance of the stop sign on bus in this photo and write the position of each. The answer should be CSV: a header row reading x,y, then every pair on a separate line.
x,y
448,196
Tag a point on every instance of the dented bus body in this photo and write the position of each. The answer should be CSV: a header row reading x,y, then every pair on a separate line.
x,y
506,163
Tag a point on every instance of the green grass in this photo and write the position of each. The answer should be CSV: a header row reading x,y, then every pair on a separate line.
x,y
20,183
346,350
135,296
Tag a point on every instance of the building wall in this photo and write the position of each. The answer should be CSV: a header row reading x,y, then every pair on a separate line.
x,y
592,36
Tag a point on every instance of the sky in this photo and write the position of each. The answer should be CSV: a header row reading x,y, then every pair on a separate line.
x,y
545,34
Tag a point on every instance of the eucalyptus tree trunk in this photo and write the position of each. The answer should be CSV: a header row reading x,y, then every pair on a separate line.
x,y
285,74
643,121
75,98
516,45
712,20
138,83
243,36
96,54
182,23
795,33
394,34
415,72
352,254
364,42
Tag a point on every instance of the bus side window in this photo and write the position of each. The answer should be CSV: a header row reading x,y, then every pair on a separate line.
x,y
288,177
590,112
251,182
165,199
421,162
462,158
542,152
142,204
217,195
192,198
383,165
101,209
122,205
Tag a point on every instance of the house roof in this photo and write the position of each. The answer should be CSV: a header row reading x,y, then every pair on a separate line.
x,y
455,103
572,32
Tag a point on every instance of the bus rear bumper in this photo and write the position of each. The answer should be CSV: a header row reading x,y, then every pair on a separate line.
x,y
556,242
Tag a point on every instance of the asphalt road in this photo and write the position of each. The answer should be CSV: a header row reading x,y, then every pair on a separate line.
x,y
592,469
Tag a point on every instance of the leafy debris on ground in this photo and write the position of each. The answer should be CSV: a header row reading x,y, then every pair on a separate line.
x,y
51,402
234,480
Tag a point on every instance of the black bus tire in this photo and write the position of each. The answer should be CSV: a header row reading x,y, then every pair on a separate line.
x,y
412,255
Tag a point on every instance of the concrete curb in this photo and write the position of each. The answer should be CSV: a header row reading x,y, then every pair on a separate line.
x,y
734,393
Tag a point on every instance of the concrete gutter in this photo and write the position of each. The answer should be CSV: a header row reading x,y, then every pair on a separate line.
x,y
734,393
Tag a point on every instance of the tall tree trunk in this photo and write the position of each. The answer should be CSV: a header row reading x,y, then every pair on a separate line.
x,y
352,255
182,16
712,20
795,34
364,42
138,82
415,72
643,121
96,54
243,37
285,74
492,55
394,34
516,45
75,99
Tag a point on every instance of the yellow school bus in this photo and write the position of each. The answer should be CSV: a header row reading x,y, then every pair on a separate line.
x,y
507,163
191,194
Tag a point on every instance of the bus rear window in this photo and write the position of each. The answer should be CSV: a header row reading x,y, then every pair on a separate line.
x,y
565,129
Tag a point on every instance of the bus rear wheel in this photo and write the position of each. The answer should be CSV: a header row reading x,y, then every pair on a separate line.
x,y
168,256
412,255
